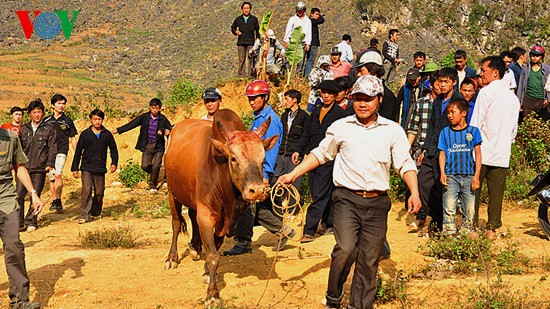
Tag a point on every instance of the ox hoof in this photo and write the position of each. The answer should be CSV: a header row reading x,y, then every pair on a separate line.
x,y
171,265
213,303
206,279
194,255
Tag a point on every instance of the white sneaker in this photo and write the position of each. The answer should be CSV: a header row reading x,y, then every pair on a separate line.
x,y
31,228
153,191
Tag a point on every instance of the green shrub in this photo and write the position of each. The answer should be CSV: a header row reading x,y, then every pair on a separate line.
x,y
108,238
398,188
182,93
131,174
499,295
248,119
391,289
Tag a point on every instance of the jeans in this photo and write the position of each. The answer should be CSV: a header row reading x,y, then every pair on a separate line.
x,y
310,59
458,187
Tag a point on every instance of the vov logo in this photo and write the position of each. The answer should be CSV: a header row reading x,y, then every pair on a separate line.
x,y
47,25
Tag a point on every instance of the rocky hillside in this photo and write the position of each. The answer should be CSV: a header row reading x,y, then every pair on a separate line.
x,y
150,44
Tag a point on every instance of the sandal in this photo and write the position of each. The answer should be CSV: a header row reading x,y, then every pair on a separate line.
x,y
306,238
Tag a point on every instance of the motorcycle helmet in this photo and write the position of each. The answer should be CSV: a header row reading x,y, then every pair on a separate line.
x,y
257,87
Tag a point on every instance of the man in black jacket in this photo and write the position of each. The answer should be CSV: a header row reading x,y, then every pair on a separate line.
x,y
247,28
316,20
154,126
320,179
92,149
429,175
38,140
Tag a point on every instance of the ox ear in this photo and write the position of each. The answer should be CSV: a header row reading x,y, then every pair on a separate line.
x,y
270,142
263,127
227,135
218,147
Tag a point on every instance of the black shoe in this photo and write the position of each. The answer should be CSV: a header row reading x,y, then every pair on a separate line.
x,y
384,257
22,228
53,205
329,231
59,207
25,305
236,250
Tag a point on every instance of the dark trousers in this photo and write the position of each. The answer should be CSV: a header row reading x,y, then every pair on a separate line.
x,y
531,105
496,184
38,184
256,211
283,166
429,187
360,226
151,162
92,206
321,187
14,257
243,52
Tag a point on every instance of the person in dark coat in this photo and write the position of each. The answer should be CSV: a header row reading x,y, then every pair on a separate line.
x,y
247,28
154,126
92,150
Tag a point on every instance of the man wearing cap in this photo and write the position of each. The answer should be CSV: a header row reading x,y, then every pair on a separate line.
x,y
360,146
347,51
370,63
247,28
408,93
299,20
212,98
532,80
320,179
338,67
320,73
258,93
268,51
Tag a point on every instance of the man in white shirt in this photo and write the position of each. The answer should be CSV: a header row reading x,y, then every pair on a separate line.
x,y
360,146
509,77
347,51
297,20
495,114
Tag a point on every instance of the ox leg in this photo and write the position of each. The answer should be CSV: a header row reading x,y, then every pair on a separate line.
x,y
218,240
195,247
206,228
178,224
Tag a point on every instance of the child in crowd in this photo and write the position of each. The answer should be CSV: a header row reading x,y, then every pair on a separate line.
x,y
92,150
460,164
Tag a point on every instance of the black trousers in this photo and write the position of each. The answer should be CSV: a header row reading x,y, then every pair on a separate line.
x,y
360,226
92,206
38,184
430,189
321,187
496,185
150,163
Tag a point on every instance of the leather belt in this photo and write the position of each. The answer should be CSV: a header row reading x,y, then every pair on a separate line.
x,y
370,194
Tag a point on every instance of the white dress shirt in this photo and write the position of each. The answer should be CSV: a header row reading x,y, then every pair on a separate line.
x,y
362,154
296,21
347,51
496,115
510,79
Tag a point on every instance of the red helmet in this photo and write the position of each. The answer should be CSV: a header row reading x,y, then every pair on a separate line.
x,y
537,50
257,87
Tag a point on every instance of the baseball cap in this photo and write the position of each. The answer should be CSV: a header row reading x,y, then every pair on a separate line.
x,y
335,50
369,85
369,57
270,33
430,67
330,85
212,93
413,73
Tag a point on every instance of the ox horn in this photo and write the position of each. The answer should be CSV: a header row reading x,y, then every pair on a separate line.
x,y
263,127
226,134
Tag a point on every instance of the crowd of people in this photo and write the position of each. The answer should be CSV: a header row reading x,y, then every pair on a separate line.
x,y
448,130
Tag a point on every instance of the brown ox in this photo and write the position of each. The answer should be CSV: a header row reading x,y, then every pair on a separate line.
x,y
212,167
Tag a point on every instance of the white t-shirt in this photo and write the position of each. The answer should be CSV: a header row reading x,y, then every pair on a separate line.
x,y
510,79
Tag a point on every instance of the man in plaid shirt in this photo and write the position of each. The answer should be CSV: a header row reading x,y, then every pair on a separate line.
x,y
417,130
